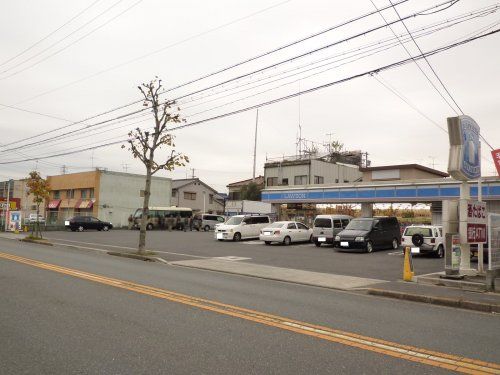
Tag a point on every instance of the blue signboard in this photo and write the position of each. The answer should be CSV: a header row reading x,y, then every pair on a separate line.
x,y
465,148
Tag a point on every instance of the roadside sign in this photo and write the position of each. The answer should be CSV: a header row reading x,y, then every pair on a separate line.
x,y
464,160
477,220
496,159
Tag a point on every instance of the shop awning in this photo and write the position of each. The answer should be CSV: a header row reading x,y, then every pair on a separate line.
x,y
69,203
85,203
54,203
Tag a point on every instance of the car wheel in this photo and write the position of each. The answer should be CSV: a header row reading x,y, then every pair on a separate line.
x,y
149,226
440,251
237,237
318,244
105,228
395,244
267,242
80,228
287,241
369,247
207,228
219,240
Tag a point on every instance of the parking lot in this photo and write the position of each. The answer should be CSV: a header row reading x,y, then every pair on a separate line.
x,y
177,245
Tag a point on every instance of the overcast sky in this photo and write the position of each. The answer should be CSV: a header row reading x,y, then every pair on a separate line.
x,y
94,63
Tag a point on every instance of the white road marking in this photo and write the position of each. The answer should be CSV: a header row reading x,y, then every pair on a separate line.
x,y
123,247
231,258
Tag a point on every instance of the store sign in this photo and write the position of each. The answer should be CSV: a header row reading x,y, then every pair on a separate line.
x,y
476,222
464,160
14,203
496,159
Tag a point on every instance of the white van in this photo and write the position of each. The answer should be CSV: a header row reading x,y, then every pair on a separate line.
x,y
209,221
326,227
241,227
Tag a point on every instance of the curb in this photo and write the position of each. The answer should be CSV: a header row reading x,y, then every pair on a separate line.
x,y
39,242
144,258
442,301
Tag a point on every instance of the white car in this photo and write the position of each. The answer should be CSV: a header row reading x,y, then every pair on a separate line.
x,y
424,239
286,232
240,227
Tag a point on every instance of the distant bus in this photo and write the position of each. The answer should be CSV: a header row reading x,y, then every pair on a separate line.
x,y
157,218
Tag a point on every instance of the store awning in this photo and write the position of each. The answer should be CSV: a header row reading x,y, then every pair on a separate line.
x,y
85,203
69,203
54,203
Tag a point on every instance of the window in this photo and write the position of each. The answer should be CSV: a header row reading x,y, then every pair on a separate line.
x,y
300,180
91,193
70,193
174,193
346,181
261,219
272,181
57,194
345,222
302,226
291,226
210,198
323,223
189,196
84,193
337,223
336,180
284,181
319,180
220,219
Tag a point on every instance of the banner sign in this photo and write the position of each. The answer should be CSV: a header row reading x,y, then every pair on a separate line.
x,y
476,222
464,160
496,159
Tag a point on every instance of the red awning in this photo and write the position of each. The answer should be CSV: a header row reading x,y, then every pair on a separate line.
x,y
54,203
84,203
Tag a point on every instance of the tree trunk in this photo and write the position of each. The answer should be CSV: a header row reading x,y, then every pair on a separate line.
x,y
145,213
38,232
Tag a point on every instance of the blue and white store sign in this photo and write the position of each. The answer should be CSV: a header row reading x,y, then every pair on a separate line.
x,y
464,162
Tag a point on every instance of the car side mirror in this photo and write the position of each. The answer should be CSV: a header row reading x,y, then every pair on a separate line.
x,y
243,223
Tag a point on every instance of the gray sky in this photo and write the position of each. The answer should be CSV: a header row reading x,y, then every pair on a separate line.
x,y
101,71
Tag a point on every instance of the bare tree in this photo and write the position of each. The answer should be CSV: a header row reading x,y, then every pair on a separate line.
x,y
145,145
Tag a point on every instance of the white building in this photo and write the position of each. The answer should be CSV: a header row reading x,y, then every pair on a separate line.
x,y
195,194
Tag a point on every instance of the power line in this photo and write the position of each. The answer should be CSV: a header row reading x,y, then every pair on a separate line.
x,y
70,44
34,112
50,34
276,100
240,76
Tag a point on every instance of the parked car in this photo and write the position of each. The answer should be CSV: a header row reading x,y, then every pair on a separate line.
x,y
241,227
326,227
369,234
80,223
285,232
209,221
428,239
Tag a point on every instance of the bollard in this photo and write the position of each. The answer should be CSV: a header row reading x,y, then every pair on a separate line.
x,y
408,265
25,229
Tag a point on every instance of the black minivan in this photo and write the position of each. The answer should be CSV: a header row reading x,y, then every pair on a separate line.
x,y
369,234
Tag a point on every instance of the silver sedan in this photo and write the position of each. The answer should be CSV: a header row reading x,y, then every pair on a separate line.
x,y
285,232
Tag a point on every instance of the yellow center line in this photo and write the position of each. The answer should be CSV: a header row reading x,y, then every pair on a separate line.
x,y
410,353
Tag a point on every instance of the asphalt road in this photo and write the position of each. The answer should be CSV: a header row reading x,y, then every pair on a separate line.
x,y
54,323
175,245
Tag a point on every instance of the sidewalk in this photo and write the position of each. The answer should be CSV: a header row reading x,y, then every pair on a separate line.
x,y
438,295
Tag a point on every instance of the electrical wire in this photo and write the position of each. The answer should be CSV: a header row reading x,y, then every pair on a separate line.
x,y
276,100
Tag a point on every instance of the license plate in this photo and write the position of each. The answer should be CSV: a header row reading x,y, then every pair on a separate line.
x,y
66,222
344,244
220,236
267,233
321,239
415,250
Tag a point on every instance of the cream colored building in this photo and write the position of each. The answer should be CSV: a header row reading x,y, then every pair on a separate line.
x,y
195,194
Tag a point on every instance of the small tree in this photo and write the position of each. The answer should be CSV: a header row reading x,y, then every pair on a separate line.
x,y
145,145
40,189
251,192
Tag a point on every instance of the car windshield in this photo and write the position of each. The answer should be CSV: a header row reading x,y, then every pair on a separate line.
x,y
277,224
359,225
426,232
323,223
234,221
138,214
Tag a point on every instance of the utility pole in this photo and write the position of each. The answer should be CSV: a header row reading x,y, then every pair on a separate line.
x,y
7,208
63,169
192,172
255,145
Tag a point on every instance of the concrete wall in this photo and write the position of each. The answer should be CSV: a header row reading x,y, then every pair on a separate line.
x,y
119,195
201,190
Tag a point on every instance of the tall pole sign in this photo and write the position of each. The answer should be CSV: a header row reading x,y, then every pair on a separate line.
x,y
464,162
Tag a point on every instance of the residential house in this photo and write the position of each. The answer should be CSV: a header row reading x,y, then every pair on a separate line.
x,y
197,195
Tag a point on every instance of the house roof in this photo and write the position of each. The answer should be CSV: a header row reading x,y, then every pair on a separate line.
x,y
405,166
258,180
177,184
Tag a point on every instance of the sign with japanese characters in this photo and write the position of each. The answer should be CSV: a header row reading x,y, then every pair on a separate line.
x,y
476,222
496,159
464,161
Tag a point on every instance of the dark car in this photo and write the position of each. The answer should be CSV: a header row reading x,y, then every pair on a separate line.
x,y
369,234
80,223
